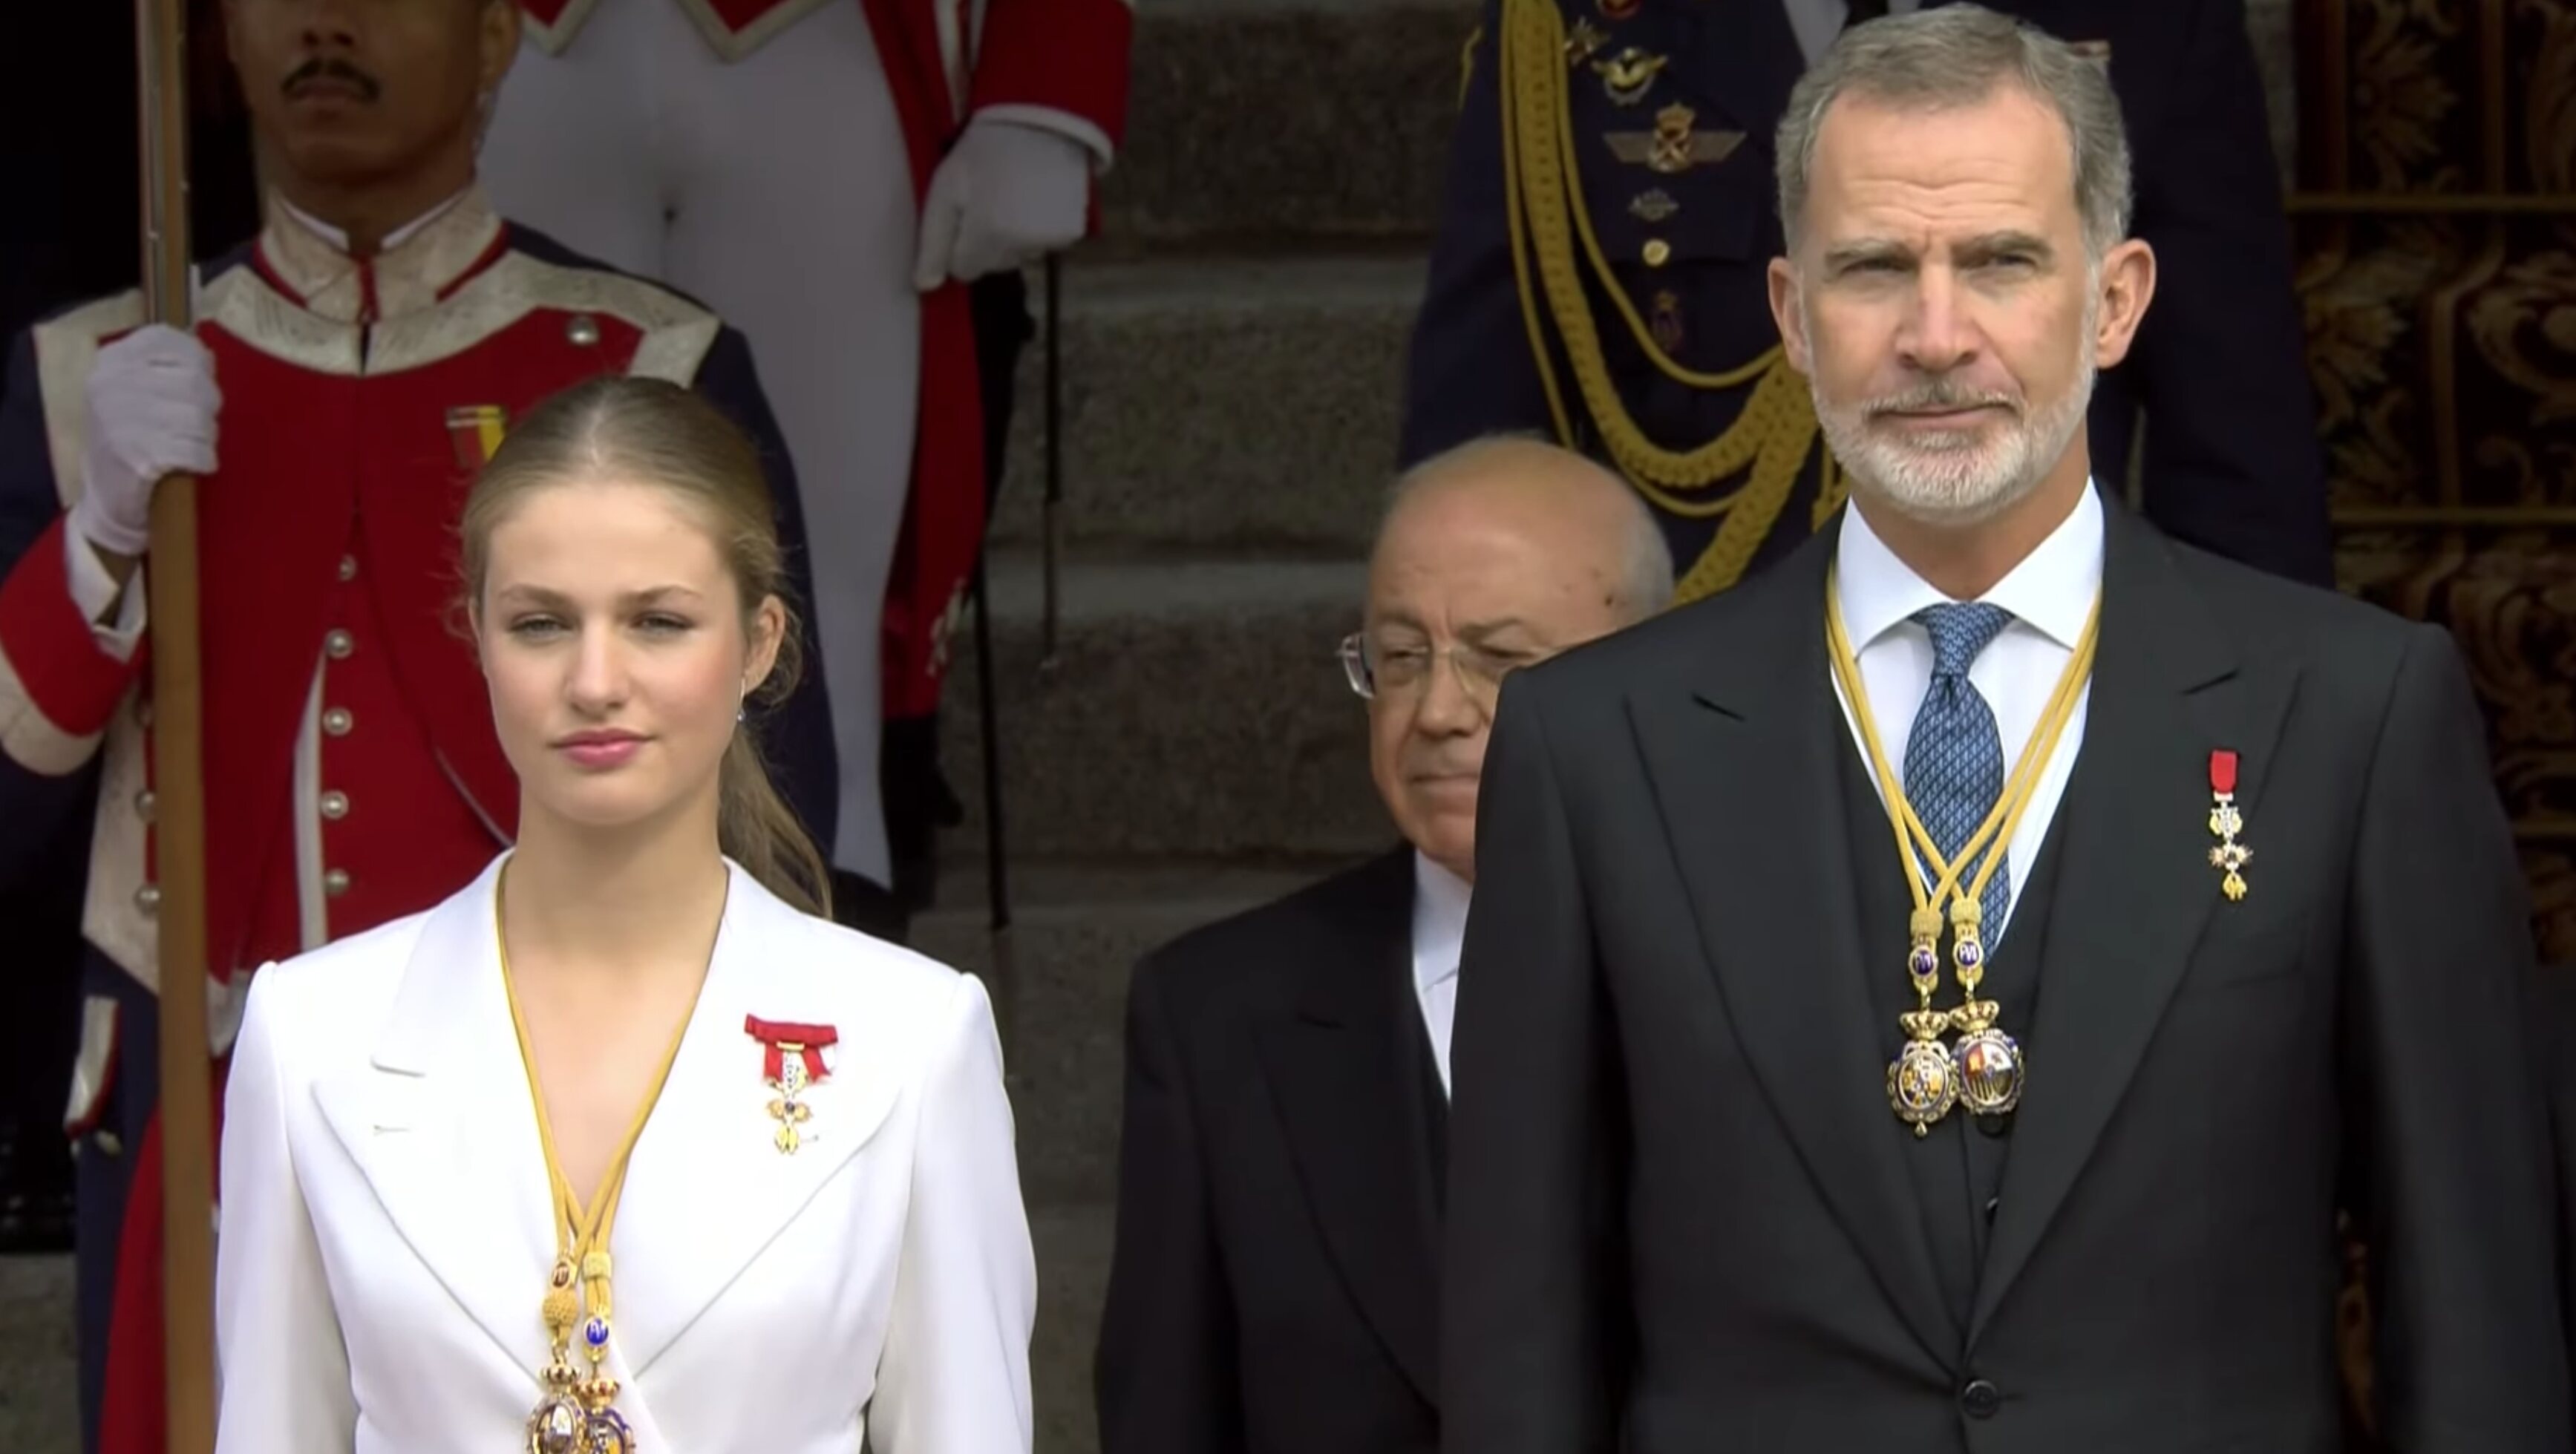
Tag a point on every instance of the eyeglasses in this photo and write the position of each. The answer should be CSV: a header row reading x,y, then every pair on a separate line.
x,y
1402,671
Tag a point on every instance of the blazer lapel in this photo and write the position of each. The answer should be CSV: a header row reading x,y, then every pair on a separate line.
x,y
708,1189
1744,762
440,1125
1345,1092
2135,887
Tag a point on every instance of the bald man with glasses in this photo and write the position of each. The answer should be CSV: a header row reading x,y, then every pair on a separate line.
x,y
1275,1280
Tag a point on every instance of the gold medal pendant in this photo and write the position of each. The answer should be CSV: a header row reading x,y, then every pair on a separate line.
x,y
1989,1061
1923,1081
557,1425
1985,1070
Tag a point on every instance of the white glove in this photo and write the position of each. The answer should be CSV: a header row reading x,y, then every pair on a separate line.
x,y
152,407
1007,195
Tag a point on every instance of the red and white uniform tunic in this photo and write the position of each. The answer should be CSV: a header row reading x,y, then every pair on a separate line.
x,y
351,772
771,157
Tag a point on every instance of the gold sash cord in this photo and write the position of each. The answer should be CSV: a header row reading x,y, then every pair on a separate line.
x,y
1769,440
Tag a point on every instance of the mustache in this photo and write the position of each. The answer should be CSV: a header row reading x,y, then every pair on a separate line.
x,y
336,69
1942,394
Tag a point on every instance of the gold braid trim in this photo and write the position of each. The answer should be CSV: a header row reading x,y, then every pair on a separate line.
x,y
1467,64
1772,434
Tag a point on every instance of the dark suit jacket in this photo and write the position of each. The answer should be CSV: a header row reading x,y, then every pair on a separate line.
x,y
2553,1004
2232,461
1680,1214
1273,1287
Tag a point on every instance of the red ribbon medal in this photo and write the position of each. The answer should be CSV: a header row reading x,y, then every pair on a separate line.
x,y
2225,822
791,1060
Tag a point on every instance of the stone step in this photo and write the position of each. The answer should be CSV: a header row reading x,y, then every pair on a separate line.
x,y
1217,402
1287,118
1193,708
1059,976
39,1361
1073,1245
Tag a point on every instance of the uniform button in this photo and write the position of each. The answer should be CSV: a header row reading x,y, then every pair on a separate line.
x,y
1991,1204
339,644
144,803
582,330
1658,252
335,882
1980,1399
109,1144
148,898
348,568
337,721
335,806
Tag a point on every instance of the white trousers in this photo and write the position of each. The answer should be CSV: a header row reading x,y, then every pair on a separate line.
x,y
777,191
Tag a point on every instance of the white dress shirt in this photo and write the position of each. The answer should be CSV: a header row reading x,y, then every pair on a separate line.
x,y
1819,21
2050,595
1439,932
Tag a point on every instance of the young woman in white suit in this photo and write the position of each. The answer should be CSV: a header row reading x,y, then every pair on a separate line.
x,y
623,1147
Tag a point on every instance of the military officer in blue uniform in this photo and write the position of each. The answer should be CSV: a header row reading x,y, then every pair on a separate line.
x,y
1599,271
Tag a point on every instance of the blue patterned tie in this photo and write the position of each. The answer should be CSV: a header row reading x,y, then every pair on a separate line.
x,y
1954,761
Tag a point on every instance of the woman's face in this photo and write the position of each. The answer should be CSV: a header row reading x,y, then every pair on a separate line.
x,y
613,635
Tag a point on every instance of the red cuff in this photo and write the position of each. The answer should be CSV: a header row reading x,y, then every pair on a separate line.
x,y
1068,55
50,649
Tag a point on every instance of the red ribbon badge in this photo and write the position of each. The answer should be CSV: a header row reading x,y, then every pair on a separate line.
x,y
778,1038
2226,820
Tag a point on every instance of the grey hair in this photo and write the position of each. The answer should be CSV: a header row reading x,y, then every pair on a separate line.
x,y
1645,582
1951,56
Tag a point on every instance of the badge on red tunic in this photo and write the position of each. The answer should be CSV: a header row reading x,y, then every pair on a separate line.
x,y
475,430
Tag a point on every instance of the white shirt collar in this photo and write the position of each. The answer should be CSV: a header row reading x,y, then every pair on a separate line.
x,y
2051,591
1439,922
339,239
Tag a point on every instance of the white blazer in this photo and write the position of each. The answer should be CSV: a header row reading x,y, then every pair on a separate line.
x,y
387,1229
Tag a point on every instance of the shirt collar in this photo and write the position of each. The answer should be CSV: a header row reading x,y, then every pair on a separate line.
x,y
2052,590
417,263
1439,922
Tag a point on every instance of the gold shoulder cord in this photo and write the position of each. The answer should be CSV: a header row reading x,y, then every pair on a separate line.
x,y
1773,434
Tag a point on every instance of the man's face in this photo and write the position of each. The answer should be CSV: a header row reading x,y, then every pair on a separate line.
x,y
348,92
1467,585
1942,305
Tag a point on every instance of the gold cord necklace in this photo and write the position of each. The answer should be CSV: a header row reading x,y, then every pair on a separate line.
x,y
575,1415
1986,1069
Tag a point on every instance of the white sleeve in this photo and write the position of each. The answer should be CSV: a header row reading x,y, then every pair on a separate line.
x,y
283,1369
954,1378
94,590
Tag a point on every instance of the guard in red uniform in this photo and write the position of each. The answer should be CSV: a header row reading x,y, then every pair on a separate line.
x,y
348,372
828,174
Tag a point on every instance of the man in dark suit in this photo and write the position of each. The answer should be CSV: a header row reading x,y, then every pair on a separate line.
x,y
1275,1282
1646,341
2019,1128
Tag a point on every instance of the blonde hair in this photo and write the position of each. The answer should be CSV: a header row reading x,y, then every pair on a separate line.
x,y
655,432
